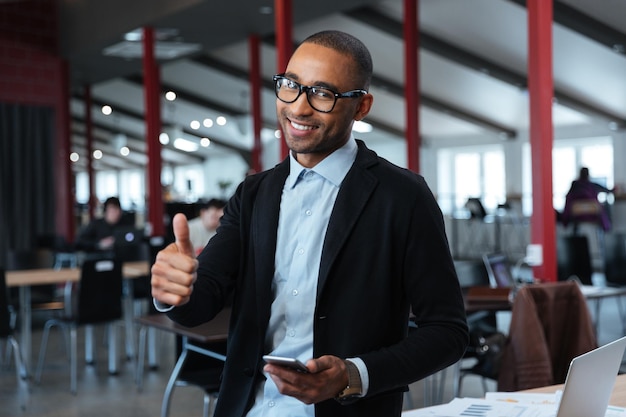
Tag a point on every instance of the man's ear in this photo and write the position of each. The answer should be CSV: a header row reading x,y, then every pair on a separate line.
x,y
364,107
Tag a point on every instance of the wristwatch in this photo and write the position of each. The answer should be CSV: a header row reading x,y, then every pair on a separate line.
x,y
354,389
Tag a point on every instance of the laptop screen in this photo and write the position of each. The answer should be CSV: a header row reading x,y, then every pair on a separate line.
x,y
499,270
128,243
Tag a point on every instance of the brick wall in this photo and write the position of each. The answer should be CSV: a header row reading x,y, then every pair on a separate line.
x,y
33,73
30,68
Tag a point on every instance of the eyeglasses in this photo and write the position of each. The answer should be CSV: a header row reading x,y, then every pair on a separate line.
x,y
321,99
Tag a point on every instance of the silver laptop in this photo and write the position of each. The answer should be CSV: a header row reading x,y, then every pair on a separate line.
x,y
590,381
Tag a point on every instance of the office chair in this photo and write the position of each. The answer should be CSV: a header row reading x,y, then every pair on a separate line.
x,y
6,332
550,325
574,259
615,259
97,299
202,372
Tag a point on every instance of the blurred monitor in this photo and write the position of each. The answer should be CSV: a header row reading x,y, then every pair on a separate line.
x,y
498,270
129,242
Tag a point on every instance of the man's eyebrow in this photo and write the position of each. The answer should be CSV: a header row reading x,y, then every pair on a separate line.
x,y
324,84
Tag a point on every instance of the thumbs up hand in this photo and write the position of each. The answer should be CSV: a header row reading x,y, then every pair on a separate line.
x,y
174,271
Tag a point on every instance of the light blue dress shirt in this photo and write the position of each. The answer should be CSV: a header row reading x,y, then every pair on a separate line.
x,y
307,201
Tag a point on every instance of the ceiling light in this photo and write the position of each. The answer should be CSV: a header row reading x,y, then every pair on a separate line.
x,y
205,142
362,127
164,138
159,34
195,125
97,154
162,50
170,96
106,110
185,145
221,120
207,122
74,157
124,151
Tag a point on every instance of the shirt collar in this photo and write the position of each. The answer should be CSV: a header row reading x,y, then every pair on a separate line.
x,y
333,168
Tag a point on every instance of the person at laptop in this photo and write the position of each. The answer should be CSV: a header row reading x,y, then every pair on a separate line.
x,y
97,237
203,227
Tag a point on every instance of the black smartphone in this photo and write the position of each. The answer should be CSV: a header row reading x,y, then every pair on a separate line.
x,y
287,362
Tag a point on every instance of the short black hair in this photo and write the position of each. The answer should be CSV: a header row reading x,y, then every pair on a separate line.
x,y
112,201
214,202
347,44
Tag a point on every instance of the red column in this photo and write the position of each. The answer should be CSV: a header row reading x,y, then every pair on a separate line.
x,y
284,45
411,83
540,87
153,128
93,201
66,199
255,100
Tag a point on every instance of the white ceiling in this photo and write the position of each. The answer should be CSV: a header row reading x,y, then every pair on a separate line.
x,y
473,55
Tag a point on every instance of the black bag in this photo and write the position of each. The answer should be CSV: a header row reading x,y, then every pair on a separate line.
x,y
488,349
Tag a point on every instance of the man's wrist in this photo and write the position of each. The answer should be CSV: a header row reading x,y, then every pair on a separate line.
x,y
354,389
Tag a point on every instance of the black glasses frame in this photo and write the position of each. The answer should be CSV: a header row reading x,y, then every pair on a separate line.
x,y
278,79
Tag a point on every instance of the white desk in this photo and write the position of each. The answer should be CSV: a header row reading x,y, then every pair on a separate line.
x,y
24,279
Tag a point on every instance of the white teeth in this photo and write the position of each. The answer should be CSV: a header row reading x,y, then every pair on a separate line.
x,y
300,127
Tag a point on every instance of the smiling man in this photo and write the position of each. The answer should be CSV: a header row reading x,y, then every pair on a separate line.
x,y
326,256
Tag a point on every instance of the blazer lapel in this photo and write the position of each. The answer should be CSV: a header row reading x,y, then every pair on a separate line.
x,y
264,233
355,190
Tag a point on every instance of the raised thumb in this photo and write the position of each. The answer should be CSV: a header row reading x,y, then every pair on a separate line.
x,y
181,234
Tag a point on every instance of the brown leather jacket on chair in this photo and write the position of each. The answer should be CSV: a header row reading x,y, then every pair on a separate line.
x,y
550,325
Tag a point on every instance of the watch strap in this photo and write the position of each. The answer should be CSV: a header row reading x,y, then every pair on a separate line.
x,y
354,389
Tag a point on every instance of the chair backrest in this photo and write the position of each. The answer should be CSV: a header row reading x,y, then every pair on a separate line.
x,y
100,292
574,259
615,258
5,326
550,325
471,273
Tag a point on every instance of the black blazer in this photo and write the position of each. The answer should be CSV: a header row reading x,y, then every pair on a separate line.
x,y
385,254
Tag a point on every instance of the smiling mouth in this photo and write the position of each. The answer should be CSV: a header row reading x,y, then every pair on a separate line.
x,y
298,126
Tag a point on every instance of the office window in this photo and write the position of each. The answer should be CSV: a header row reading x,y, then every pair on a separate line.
x,y
568,156
471,172
132,189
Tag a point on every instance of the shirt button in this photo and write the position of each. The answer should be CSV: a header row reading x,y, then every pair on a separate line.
x,y
271,404
292,333
308,212
294,292
300,251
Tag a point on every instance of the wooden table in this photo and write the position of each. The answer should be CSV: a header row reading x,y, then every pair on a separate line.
x,y
24,279
618,397
215,330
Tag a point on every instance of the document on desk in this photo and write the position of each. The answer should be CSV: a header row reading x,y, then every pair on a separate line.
x,y
477,407
501,405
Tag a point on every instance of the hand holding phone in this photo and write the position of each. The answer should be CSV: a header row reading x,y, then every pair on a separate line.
x,y
286,362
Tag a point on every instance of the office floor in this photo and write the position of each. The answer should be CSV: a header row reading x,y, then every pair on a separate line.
x,y
100,394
